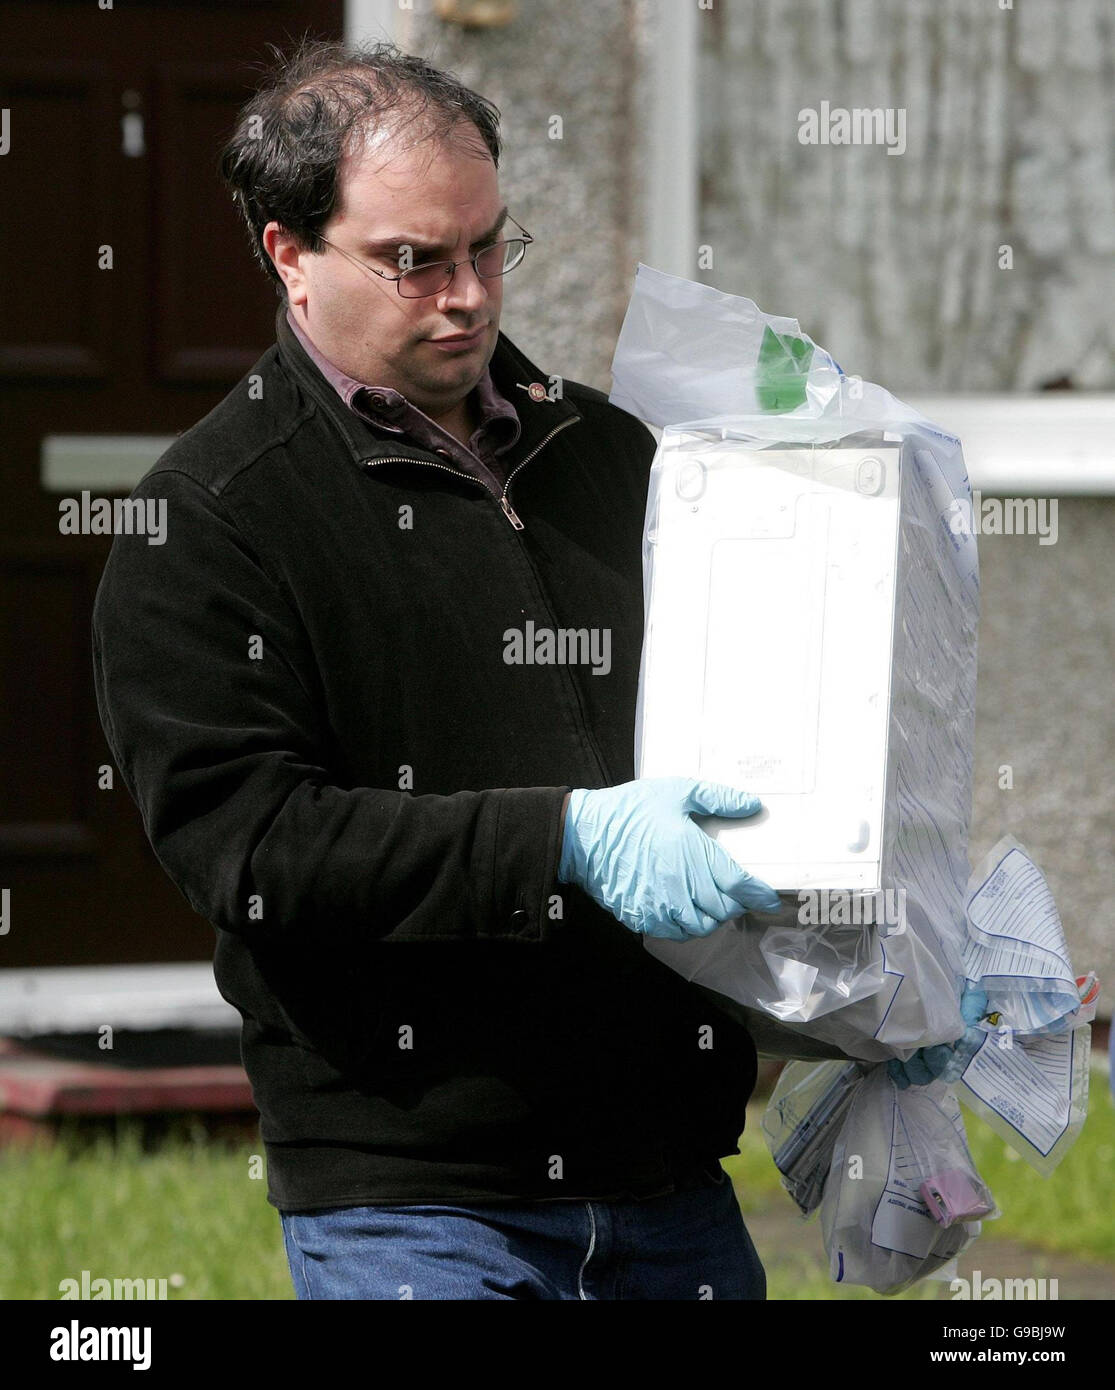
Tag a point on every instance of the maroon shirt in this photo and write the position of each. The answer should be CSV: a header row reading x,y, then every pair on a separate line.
x,y
388,410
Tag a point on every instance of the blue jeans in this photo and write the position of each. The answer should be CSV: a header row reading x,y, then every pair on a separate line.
x,y
691,1244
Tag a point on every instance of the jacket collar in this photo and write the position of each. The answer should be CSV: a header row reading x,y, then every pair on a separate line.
x,y
513,374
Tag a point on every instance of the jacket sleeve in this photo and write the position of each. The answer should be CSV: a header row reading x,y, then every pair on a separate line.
x,y
204,684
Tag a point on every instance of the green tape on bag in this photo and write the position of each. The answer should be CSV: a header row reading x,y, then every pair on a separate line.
x,y
783,371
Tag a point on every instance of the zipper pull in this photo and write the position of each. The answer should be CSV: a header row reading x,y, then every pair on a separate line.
x,y
509,513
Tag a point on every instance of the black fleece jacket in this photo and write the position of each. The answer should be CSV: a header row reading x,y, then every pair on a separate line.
x,y
306,691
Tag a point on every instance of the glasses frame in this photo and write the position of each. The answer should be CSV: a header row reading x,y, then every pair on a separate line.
x,y
526,239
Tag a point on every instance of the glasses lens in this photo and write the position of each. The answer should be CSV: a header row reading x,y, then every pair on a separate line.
x,y
425,279
500,258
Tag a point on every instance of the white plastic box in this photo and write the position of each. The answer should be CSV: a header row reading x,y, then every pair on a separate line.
x,y
811,594
768,655
810,637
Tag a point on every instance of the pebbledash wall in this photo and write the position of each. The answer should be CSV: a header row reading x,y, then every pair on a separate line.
x,y
979,259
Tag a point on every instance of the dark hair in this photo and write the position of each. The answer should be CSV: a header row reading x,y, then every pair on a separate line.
x,y
282,161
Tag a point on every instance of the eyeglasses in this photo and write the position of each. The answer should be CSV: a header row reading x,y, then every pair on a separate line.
x,y
421,281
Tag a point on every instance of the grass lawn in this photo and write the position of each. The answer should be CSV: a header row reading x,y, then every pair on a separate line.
x,y
195,1213
190,1213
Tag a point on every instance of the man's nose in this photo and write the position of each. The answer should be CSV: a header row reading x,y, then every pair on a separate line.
x,y
466,290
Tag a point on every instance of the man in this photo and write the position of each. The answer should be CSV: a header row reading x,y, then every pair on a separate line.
x,y
409,817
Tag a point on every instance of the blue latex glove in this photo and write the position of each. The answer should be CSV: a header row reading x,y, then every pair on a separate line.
x,y
635,851
945,1061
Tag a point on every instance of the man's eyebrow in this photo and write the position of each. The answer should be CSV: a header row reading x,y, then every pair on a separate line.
x,y
389,246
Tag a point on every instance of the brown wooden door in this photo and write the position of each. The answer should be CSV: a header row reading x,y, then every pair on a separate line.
x,y
115,118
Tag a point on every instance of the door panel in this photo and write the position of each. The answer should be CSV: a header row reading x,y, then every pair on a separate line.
x,y
190,123
116,121
58,111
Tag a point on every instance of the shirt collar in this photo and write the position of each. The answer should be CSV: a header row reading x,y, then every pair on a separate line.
x,y
392,410
511,374
345,386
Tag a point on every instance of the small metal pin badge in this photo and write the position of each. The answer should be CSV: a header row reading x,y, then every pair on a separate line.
x,y
536,391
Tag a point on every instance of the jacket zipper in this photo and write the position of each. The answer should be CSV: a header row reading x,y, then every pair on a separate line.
x,y
511,516
501,498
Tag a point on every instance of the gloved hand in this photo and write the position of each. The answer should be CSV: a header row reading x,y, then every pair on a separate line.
x,y
635,851
945,1061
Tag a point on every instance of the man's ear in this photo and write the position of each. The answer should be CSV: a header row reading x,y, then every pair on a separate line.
x,y
286,256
